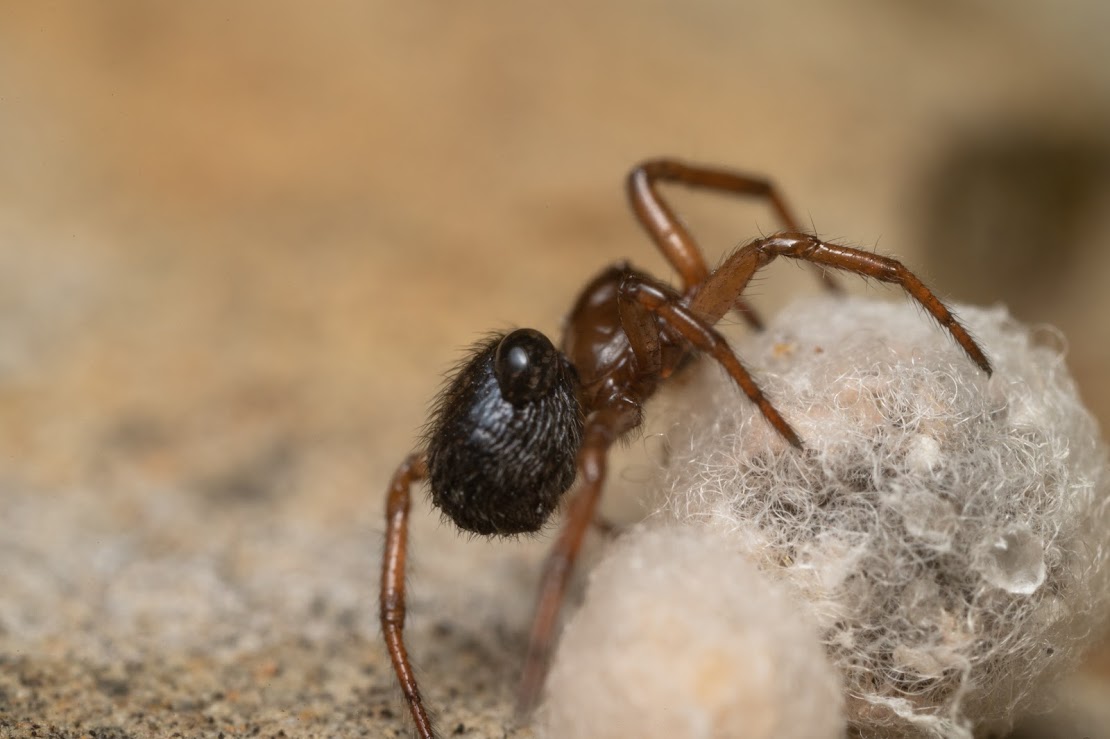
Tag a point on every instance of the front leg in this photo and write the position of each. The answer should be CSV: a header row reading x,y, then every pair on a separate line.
x,y
671,235
721,288
654,300
398,504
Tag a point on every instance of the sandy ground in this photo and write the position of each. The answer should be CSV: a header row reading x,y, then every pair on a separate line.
x,y
239,245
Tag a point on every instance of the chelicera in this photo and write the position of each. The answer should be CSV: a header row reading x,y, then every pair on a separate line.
x,y
521,420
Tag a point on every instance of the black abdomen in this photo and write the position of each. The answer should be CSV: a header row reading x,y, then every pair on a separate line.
x,y
497,467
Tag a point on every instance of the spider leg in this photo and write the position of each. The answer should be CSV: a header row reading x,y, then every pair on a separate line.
x,y
672,236
642,330
701,334
719,290
603,427
413,469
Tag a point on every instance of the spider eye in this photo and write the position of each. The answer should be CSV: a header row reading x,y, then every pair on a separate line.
x,y
526,365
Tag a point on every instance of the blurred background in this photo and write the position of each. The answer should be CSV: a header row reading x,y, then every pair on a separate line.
x,y
240,244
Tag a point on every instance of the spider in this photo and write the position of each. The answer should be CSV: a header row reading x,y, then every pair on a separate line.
x,y
521,420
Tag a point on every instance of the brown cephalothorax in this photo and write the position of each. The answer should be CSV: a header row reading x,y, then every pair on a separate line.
x,y
520,419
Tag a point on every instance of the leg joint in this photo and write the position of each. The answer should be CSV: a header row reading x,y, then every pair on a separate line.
x,y
635,289
392,610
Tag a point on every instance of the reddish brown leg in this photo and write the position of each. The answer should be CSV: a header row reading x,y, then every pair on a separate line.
x,y
718,292
603,427
706,339
642,330
413,469
671,235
